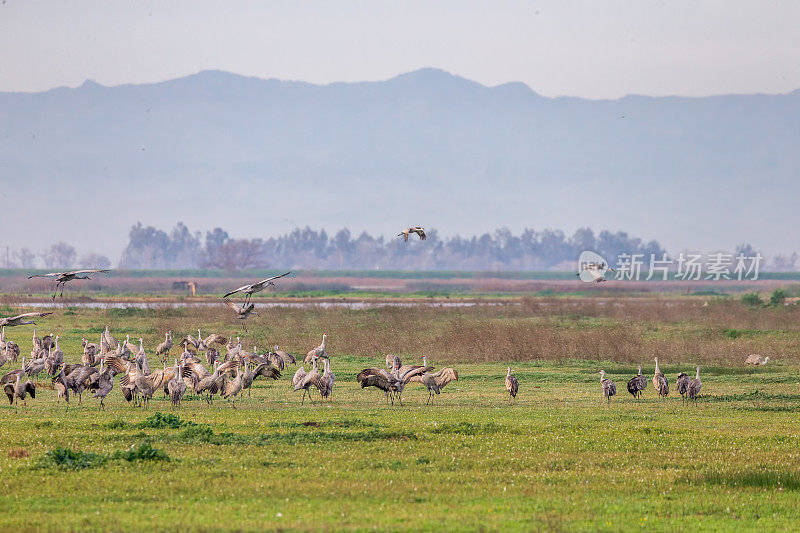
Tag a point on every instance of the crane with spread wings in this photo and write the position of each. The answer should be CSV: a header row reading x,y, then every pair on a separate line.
x,y
259,286
63,277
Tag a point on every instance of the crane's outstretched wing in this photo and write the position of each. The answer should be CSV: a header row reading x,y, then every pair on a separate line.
x,y
89,271
25,315
50,275
236,309
240,289
273,277
421,232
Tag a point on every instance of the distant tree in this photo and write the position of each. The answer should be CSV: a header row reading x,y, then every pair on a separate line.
x,y
25,258
781,263
149,247
237,254
94,261
59,255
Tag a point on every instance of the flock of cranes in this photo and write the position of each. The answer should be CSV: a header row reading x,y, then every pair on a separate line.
x,y
688,388
227,375
230,374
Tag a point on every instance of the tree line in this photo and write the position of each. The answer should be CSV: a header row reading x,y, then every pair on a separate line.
x,y
548,249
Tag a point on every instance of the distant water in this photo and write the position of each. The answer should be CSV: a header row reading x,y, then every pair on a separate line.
x,y
301,305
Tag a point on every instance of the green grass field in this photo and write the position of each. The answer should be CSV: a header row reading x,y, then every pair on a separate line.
x,y
558,459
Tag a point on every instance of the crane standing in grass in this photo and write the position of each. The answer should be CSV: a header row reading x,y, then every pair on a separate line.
x,y
694,386
637,384
660,382
608,387
682,385
512,385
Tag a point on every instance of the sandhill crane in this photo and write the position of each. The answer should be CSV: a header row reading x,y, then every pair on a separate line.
x,y
288,358
305,380
19,390
210,385
91,353
608,387
317,352
275,360
234,352
54,359
232,388
19,320
755,359
436,382
258,286
243,312
327,380
214,338
164,348
35,366
380,379
392,360
61,388
262,369
176,386
212,356
63,277
694,386
637,384
660,382
416,229
512,385
682,384
110,341
79,379
596,272
48,341
12,351
105,383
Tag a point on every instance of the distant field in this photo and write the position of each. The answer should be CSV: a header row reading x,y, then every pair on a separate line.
x,y
378,284
559,459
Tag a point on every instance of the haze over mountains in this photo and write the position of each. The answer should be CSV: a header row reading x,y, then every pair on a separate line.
x,y
260,157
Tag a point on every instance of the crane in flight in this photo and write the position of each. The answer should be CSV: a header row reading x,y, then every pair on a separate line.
x,y
63,277
19,320
416,229
255,287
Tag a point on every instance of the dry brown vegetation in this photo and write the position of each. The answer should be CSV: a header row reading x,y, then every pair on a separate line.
x,y
626,330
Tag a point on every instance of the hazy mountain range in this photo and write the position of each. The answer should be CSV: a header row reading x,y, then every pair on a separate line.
x,y
260,157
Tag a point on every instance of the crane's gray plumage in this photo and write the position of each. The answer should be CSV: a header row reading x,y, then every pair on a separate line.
x,y
694,386
512,385
63,277
637,384
682,384
660,382
608,387
258,286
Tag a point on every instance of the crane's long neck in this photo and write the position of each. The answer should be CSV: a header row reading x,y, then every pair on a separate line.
x,y
657,369
323,341
640,370
508,372
697,374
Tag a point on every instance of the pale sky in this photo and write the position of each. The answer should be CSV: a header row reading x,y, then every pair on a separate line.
x,y
591,49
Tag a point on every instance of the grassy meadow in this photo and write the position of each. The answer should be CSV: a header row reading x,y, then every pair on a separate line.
x,y
558,459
